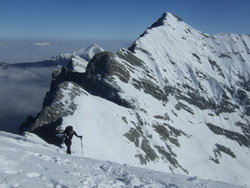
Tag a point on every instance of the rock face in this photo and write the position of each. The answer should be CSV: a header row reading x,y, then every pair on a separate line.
x,y
185,93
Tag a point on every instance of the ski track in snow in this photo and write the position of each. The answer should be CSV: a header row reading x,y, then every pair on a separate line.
x,y
30,162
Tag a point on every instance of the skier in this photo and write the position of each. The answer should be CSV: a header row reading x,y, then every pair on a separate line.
x,y
68,134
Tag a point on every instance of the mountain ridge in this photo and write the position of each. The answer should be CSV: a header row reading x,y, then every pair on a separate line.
x,y
59,60
175,94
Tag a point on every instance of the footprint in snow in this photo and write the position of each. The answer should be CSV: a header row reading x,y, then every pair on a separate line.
x,y
42,167
33,175
12,172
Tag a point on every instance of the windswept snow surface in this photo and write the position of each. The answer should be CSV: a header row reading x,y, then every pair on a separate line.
x,y
29,162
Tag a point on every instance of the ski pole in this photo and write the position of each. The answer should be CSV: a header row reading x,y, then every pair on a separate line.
x,y
82,147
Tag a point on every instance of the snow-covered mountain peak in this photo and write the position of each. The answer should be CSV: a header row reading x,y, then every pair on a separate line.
x,y
165,31
89,52
177,100
165,19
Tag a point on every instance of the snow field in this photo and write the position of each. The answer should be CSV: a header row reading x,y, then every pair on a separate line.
x,y
98,138
99,142
28,162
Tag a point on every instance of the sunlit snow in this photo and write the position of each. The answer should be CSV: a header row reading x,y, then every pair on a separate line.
x,y
30,162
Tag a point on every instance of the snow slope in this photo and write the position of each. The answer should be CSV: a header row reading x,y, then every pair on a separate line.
x,y
30,162
103,130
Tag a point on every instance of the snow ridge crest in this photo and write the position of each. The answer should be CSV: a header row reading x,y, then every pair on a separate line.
x,y
163,20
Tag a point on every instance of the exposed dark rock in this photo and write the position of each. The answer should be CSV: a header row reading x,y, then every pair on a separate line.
x,y
195,99
58,103
170,157
241,139
225,150
150,153
160,21
133,135
216,67
26,126
221,149
169,133
130,58
180,106
225,55
150,88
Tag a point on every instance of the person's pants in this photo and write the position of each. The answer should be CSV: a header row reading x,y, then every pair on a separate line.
x,y
68,150
68,144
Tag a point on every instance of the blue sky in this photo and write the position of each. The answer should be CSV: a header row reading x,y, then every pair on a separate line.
x,y
116,19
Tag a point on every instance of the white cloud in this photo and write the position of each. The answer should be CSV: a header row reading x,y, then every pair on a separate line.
x,y
43,44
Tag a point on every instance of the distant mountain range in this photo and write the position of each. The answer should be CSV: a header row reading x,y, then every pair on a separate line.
x,y
59,60
176,101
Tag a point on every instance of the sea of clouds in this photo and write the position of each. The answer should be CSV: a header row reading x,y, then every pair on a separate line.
x,y
21,94
22,90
